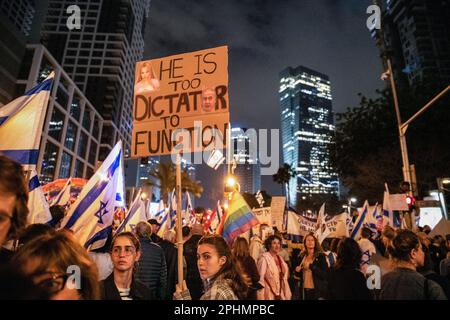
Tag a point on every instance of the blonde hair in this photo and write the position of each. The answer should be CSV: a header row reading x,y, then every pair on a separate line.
x,y
169,235
145,65
240,247
61,250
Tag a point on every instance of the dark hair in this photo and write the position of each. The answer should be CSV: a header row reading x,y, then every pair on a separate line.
x,y
388,232
240,248
35,230
401,246
366,233
17,286
130,236
12,181
348,254
427,261
57,213
317,246
230,270
60,250
334,244
185,231
326,244
270,239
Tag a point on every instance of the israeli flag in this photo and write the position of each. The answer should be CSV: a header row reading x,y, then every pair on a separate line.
x,y
168,221
120,195
388,213
21,123
39,211
63,197
134,216
91,216
321,228
359,223
159,214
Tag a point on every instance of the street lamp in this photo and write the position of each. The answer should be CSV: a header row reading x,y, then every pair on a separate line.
x,y
349,206
231,185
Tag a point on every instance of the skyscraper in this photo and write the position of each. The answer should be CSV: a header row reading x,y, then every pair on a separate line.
x,y
16,18
307,128
415,34
101,57
248,170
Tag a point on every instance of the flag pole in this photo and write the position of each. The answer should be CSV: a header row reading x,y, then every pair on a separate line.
x,y
179,222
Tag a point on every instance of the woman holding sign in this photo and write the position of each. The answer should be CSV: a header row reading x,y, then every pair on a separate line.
x,y
146,81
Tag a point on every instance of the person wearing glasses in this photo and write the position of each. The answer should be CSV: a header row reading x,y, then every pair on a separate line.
x,y
56,263
13,203
122,284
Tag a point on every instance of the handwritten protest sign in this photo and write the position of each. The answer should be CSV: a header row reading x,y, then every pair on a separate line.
x,y
181,100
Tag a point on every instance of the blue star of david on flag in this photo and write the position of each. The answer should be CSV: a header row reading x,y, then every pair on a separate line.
x,y
365,260
102,211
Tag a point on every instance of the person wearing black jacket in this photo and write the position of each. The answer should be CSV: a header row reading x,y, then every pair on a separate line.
x,y
312,272
428,272
346,281
121,284
193,280
171,254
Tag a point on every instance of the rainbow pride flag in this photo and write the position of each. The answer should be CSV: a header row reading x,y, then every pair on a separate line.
x,y
238,219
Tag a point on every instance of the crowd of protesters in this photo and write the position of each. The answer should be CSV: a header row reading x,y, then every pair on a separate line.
x,y
46,263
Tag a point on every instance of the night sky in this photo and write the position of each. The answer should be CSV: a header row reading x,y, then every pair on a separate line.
x,y
264,37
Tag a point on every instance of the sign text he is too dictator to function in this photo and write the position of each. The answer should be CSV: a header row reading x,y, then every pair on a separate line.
x,y
181,100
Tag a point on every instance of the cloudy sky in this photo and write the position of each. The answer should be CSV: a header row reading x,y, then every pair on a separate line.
x,y
264,37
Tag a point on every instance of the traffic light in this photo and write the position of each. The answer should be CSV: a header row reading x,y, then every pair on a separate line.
x,y
410,201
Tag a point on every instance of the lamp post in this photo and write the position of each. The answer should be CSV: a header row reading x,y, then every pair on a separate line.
x,y
350,201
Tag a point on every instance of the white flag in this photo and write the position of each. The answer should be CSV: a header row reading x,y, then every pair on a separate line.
x,y
21,123
37,204
135,215
63,197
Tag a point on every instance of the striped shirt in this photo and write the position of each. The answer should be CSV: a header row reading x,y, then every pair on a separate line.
x,y
124,293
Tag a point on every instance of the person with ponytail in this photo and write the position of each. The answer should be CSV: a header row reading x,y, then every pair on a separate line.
x,y
222,280
404,282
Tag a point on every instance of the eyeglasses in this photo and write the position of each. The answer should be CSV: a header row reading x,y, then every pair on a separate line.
x,y
52,282
129,250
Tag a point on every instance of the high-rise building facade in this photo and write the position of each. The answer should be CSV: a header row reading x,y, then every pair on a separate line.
x,y
70,138
415,34
16,18
307,128
248,170
101,57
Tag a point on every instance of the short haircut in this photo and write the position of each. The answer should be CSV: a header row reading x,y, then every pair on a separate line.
x,y
185,231
366,233
269,240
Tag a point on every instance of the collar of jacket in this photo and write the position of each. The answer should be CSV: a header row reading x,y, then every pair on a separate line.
x,y
208,283
111,287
